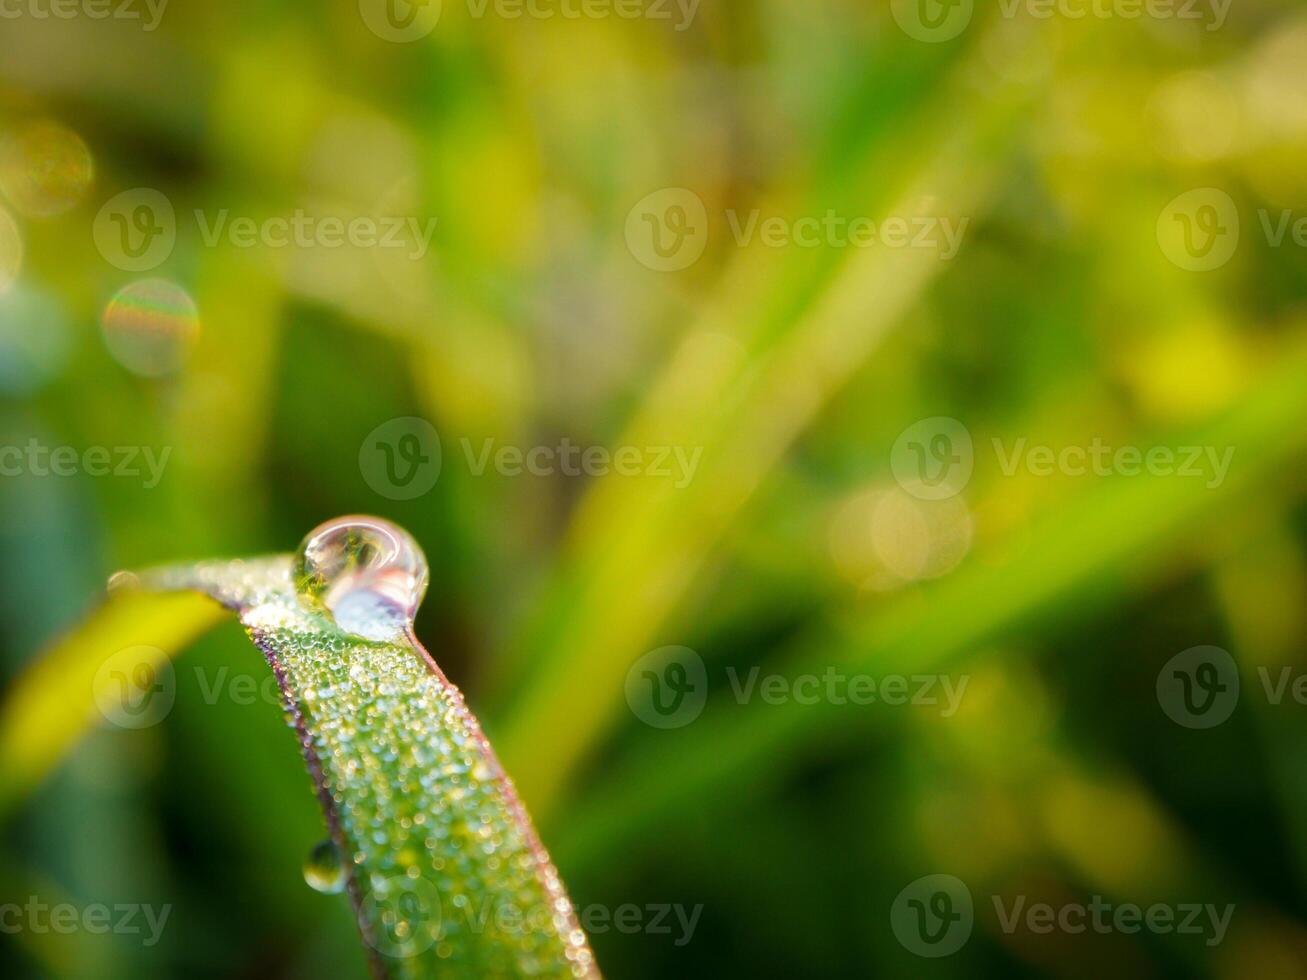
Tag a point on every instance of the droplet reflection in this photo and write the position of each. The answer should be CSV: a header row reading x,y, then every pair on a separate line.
x,y
366,573
324,871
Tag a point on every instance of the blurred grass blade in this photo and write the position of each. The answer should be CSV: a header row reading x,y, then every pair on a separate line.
x,y
1108,531
783,335
55,701
445,871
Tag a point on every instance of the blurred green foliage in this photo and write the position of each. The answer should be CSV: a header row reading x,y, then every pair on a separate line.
x,y
1071,313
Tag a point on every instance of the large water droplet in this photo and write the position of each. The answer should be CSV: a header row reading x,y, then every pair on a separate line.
x,y
324,871
365,573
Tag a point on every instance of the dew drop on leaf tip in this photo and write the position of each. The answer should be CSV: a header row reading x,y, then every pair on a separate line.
x,y
364,573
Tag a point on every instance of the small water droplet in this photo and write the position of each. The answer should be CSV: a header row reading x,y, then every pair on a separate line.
x,y
123,582
324,871
365,573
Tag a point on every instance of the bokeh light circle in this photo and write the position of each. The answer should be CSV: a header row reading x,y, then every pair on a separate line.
x,y
45,169
150,326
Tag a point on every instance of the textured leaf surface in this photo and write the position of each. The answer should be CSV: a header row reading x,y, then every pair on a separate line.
x,y
445,871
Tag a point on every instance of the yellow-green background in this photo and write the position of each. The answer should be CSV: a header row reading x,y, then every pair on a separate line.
x,y
1062,319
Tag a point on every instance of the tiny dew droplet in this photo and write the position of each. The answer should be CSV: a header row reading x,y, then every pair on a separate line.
x,y
122,582
365,573
324,871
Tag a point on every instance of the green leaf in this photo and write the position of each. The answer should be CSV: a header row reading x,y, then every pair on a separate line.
x,y
55,701
1086,545
444,869
446,873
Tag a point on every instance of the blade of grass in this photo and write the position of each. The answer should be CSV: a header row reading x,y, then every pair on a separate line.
x,y
1083,547
781,337
445,871
53,703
